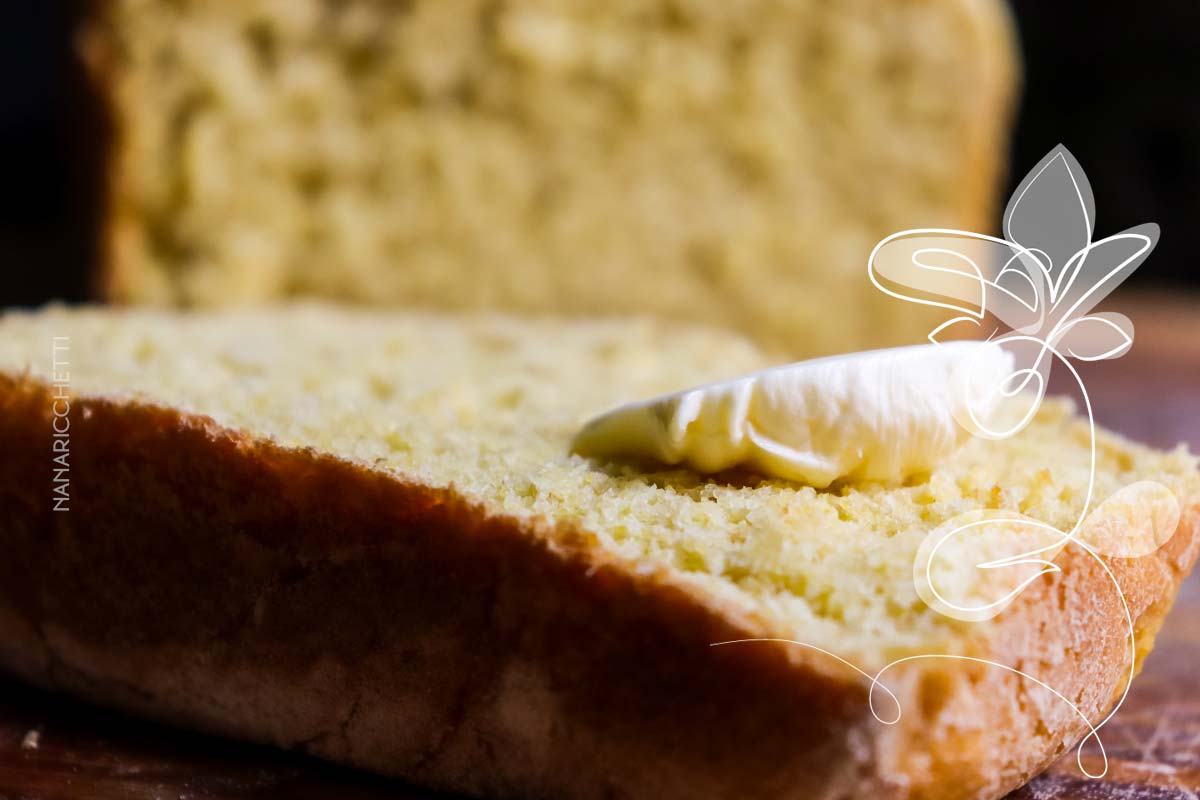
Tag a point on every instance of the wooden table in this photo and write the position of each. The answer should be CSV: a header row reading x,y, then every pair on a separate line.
x,y
54,749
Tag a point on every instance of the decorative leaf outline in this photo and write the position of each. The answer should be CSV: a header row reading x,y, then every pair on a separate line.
x,y
1052,213
1096,337
1100,268
984,274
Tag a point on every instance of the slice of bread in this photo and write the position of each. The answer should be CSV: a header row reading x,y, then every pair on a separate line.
x,y
732,163
364,536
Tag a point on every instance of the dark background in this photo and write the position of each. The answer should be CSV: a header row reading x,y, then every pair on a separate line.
x,y
1117,82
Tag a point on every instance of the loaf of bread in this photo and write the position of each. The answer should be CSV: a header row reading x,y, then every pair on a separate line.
x,y
731,163
364,536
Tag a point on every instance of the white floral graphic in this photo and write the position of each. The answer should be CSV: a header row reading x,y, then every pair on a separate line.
x,y
1040,281
1031,292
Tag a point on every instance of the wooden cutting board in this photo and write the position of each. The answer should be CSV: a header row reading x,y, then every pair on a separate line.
x,y
54,749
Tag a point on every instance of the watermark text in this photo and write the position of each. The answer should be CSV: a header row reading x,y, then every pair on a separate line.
x,y
60,423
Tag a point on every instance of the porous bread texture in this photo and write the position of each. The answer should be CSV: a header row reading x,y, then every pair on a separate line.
x,y
732,163
487,405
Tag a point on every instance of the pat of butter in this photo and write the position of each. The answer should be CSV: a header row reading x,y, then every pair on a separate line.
x,y
875,415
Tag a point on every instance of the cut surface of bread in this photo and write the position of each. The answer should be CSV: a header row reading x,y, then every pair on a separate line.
x,y
364,535
732,163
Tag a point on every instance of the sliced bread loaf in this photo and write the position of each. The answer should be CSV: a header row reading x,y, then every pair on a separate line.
x,y
727,162
364,536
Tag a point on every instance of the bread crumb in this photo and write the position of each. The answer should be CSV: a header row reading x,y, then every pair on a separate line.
x,y
33,739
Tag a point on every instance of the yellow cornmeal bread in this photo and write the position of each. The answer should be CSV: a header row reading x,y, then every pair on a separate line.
x,y
364,536
732,163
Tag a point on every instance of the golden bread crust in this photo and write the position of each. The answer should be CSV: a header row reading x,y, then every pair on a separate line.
x,y
214,580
